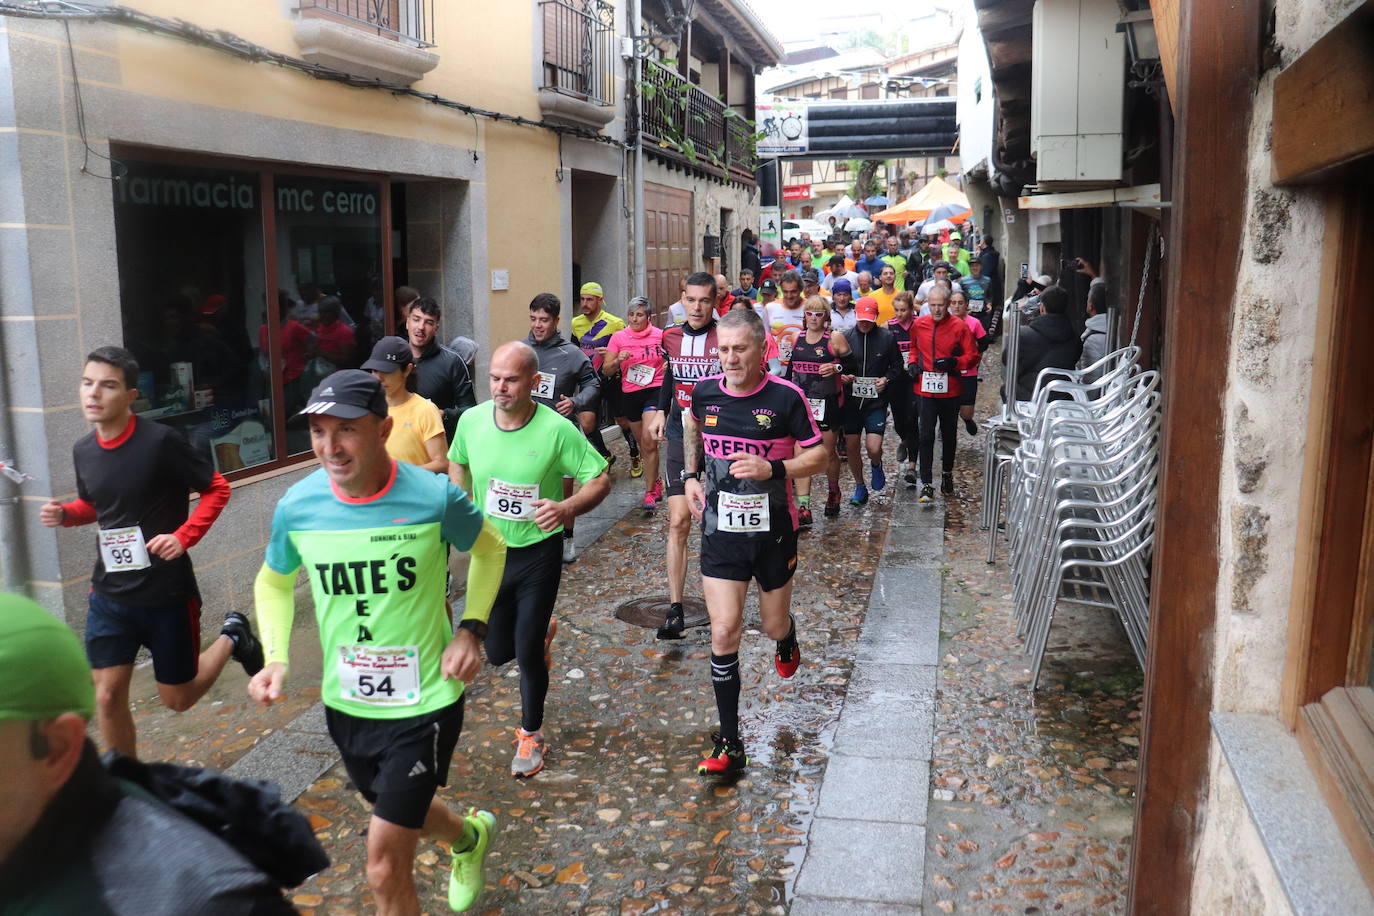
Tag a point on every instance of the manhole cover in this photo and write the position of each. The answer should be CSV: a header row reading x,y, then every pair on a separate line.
x,y
651,612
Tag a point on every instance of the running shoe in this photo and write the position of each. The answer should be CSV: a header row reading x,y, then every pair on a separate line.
x,y
901,452
529,753
465,880
927,494
860,496
636,466
649,501
947,484
247,650
912,481
676,623
970,426
787,656
569,550
832,503
725,757
804,518
879,478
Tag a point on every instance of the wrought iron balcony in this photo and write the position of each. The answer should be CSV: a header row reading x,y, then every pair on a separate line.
x,y
410,21
579,49
681,121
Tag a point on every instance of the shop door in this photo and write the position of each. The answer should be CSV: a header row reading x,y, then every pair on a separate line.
x,y
667,243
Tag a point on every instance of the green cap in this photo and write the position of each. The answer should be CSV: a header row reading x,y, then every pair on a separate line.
x,y
43,667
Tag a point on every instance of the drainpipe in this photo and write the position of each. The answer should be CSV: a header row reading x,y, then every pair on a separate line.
x,y
637,70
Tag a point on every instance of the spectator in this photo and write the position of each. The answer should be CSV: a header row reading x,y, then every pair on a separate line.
x,y
1095,330
443,376
334,339
1048,341
749,257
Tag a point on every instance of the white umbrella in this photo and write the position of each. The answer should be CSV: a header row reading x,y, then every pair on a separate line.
x,y
932,228
844,208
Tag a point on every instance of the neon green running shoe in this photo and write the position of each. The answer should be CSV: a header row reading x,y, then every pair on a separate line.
x,y
465,881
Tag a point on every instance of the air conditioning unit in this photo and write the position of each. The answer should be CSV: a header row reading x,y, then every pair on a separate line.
x,y
1078,76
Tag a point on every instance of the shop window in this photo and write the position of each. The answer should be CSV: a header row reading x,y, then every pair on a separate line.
x,y
230,331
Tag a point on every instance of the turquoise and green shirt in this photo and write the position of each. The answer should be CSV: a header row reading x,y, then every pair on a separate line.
x,y
377,570
511,468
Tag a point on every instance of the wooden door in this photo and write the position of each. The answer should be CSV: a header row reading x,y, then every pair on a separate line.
x,y
667,243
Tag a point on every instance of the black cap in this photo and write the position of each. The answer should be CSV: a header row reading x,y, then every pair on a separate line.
x,y
388,355
347,394
768,286
811,276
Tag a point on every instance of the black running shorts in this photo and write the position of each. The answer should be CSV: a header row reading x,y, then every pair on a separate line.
x,y
633,403
115,631
672,468
398,764
771,560
968,390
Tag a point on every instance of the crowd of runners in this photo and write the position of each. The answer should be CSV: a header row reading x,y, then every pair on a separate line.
x,y
728,412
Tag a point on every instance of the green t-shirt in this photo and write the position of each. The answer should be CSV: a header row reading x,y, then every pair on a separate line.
x,y
510,468
377,570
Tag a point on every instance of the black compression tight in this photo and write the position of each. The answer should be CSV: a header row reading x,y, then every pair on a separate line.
x,y
945,412
520,621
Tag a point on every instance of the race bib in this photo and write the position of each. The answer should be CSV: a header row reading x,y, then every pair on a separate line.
x,y
380,675
976,305
513,502
545,387
123,549
785,351
682,392
934,383
640,374
817,408
742,513
866,386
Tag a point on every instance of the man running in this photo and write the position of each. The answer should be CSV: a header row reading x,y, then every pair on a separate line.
x,y
785,317
592,328
942,347
743,429
873,364
815,369
842,315
513,454
567,381
901,400
896,260
372,535
133,478
690,354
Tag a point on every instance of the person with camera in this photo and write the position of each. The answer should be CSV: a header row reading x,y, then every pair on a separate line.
x,y
942,349
1049,340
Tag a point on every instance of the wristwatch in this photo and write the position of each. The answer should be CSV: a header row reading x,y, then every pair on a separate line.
x,y
475,627
685,474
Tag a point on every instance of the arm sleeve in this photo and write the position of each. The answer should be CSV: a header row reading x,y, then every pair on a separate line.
x,y
486,567
457,449
850,362
213,499
272,596
665,391
77,512
588,387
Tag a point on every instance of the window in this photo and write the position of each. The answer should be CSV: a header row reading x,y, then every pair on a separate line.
x,y
869,92
231,330
801,169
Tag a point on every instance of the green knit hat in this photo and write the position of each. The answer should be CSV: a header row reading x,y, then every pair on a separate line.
x,y
43,667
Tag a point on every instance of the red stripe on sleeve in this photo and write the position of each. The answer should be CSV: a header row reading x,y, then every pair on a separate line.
x,y
213,499
77,512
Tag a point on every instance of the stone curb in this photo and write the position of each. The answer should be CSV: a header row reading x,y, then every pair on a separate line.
x,y
866,850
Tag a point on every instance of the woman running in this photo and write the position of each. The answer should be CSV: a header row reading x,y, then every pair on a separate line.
x,y
815,369
417,427
637,353
958,307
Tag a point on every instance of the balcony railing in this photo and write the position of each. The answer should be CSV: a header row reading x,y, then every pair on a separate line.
x,y
579,49
411,21
683,121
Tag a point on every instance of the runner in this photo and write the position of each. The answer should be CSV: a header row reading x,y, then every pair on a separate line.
x,y
133,478
884,294
636,354
515,453
785,315
772,357
417,427
968,378
939,271
977,287
900,398
873,364
690,352
567,381
815,369
941,348
742,429
592,328
842,315
372,535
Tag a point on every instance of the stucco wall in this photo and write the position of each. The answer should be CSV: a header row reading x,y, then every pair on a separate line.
x,y
1269,356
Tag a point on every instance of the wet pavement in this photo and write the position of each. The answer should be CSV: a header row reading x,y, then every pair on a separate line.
x,y
1032,795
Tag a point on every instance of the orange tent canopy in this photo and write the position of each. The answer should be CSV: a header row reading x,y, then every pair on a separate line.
x,y
918,206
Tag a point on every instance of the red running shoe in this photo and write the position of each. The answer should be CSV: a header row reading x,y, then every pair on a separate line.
x,y
788,656
725,757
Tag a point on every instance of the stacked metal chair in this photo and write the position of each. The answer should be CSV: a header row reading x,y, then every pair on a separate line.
x,y
1081,481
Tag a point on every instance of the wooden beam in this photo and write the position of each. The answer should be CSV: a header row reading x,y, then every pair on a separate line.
x,y
723,73
1145,195
1324,103
1166,33
684,55
1218,66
